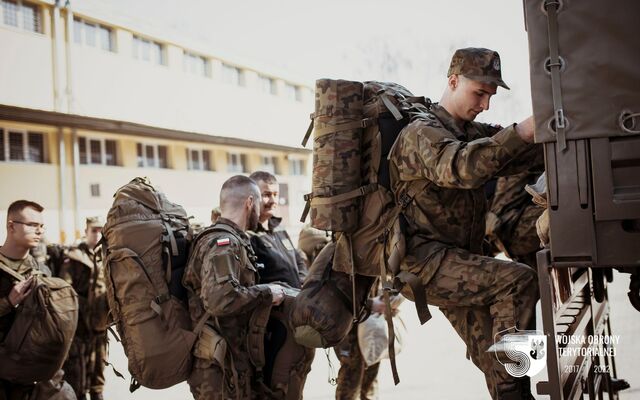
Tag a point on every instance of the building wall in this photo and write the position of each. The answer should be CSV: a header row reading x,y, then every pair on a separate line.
x,y
47,70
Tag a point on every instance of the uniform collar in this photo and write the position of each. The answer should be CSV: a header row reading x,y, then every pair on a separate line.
x,y
458,129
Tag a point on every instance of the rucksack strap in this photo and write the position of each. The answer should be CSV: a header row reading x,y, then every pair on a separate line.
x,y
11,272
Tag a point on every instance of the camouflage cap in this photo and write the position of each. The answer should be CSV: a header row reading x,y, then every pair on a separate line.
x,y
478,64
94,222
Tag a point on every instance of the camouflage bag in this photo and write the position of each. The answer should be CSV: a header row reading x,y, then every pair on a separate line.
x,y
145,247
38,342
369,242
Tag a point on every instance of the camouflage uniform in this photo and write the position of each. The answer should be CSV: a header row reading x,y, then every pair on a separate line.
x,y
511,220
8,390
450,163
222,280
275,251
84,368
356,381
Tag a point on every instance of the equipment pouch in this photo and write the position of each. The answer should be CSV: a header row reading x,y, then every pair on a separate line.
x,y
210,346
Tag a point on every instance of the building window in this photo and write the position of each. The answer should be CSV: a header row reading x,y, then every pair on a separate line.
x,y
148,50
267,85
199,160
292,92
91,34
22,14
296,167
22,146
95,190
97,151
232,75
152,155
268,163
195,64
236,162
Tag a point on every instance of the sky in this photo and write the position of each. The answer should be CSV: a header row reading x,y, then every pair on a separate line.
x,y
405,41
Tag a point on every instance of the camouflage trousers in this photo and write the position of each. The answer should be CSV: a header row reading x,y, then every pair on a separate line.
x,y
484,298
15,391
211,383
356,381
84,367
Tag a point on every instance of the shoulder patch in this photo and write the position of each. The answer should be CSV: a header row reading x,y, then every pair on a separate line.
x,y
223,242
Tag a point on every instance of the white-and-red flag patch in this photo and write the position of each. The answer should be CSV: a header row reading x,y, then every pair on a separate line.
x,y
223,242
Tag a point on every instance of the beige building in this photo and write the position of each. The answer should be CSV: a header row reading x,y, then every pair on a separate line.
x,y
86,105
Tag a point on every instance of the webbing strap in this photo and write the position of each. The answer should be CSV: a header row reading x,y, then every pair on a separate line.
x,y
391,107
555,64
363,123
11,272
361,191
308,134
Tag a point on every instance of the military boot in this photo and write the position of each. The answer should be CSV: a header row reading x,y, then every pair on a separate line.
x,y
96,396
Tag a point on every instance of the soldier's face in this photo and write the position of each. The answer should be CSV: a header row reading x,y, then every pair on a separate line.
x,y
270,198
94,234
470,97
26,227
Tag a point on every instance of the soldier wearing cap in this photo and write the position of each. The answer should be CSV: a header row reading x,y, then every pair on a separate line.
x,y
82,268
440,165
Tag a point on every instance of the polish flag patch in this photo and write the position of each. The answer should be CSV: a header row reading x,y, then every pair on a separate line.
x,y
223,242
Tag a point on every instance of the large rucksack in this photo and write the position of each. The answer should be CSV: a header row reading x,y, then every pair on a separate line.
x,y
355,127
146,244
38,342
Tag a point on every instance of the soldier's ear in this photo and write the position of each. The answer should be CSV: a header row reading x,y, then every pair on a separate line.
x,y
453,82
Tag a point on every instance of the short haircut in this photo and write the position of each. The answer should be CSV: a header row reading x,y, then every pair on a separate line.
x,y
19,205
263,176
236,190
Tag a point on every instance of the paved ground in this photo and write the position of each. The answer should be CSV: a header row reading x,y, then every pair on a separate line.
x,y
433,363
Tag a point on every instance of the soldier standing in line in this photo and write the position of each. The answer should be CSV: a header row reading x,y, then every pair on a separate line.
x,y
83,269
222,282
24,231
449,158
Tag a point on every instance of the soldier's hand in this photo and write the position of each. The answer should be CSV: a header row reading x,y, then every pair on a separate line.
x,y
20,291
525,129
277,293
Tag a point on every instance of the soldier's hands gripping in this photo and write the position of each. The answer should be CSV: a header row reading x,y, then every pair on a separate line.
x,y
525,129
20,291
277,293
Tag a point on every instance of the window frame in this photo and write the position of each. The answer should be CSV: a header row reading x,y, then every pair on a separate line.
x,y
6,133
156,155
19,16
103,151
149,45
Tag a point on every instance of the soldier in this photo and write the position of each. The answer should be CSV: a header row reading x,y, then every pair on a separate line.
x,y
24,231
271,242
281,263
83,269
440,166
222,282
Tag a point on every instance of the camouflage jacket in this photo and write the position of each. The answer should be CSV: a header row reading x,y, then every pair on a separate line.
x,y
23,267
221,279
280,260
82,269
451,164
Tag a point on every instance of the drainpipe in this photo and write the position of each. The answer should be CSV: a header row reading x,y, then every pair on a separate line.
x,y
76,199
68,48
56,46
62,158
